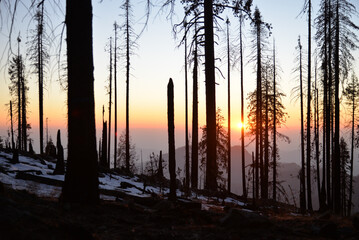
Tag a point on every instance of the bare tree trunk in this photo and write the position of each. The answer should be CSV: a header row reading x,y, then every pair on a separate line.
x,y
171,140
115,100
274,128
127,90
242,109
19,129
259,139
336,160
325,109
81,179
229,109
194,170
303,203
309,184
23,111
109,111
12,128
329,112
186,114
211,166
41,78
266,141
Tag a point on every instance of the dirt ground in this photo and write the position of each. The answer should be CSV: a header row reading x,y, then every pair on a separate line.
x,y
25,216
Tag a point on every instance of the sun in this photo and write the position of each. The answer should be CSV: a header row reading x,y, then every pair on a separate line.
x,y
240,125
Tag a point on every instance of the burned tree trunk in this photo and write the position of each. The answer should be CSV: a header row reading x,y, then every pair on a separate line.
x,y
60,164
171,140
81,179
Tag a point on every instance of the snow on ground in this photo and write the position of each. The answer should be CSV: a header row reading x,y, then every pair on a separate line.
x,y
131,186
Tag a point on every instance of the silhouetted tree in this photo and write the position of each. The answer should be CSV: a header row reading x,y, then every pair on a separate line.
x,y
337,40
229,108
241,20
210,11
130,43
171,140
194,167
81,179
103,157
308,9
187,180
60,164
39,57
121,158
18,89
115,26
344,177
259,32
222,150
160,166
109,110
12,128
274,126
316,134
302,196
351,93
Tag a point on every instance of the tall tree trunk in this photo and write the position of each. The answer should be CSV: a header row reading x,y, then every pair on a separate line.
x,y
211,166
303,202
266,140
12,128
23,111
329,110
229,109
259,140
194,170
19,129
242,109
41,78
115,100
336,160
309,184
81,179
316,136
171,140
274,128
255,178
127,89
109,111
325,109
186,113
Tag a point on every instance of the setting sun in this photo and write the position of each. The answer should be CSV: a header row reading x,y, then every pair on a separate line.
x,y
240,125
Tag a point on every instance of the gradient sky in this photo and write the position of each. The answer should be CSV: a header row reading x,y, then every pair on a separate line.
x,y
155,61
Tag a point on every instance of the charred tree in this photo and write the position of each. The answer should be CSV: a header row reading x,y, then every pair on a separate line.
x,y
194,167
211,173
186,112
229,108
242,107
115,100
81,179
109,111
171,140
60,164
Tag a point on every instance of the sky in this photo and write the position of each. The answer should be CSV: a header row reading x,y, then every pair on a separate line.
x,y
156,59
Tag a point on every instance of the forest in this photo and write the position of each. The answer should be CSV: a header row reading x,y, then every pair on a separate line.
x,y
97,185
